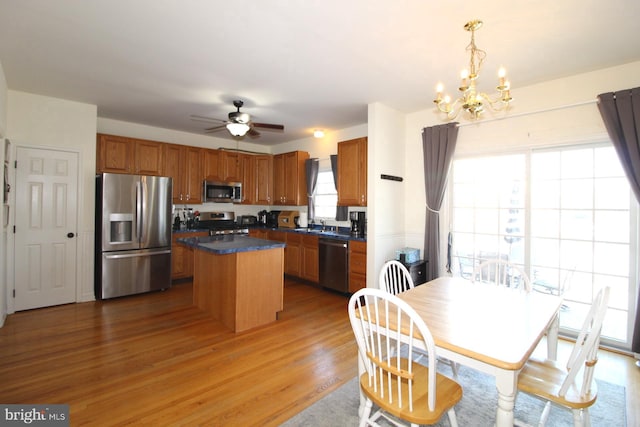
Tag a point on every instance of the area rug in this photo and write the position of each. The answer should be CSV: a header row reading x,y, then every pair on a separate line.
x,y
477,407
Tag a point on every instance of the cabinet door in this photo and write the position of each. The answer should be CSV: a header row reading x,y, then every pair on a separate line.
x,y
352,172
231,166
248,180
114,154
263,179
310,268
172,168
291,172
193,174
148,157
293,254
357,265
278,180
211,165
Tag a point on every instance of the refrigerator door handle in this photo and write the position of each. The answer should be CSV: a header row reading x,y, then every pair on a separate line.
x,y
137,254
139,211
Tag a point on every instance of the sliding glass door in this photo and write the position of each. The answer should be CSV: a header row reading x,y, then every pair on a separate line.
x,y
566,215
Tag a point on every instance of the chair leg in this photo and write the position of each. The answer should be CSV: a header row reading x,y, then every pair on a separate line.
x,y
579,417
545,414
364,419
452,417
454,369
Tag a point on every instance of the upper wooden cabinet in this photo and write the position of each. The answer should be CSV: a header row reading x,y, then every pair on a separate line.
x,y
231,166
148,157
289,180
114,154
211,165
184,165
263,179
352,172
248,167
119,154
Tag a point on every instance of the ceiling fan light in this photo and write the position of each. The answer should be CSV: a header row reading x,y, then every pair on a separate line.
x,y
238,129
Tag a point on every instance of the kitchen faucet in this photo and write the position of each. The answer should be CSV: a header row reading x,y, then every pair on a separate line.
x,y
324,223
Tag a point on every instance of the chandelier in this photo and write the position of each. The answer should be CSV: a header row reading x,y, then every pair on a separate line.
x,y
470,100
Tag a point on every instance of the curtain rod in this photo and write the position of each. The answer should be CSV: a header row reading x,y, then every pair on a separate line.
x,y
529,113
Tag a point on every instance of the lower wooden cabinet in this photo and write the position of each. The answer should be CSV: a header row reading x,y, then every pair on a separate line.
x,y
182,256
357,265
309,268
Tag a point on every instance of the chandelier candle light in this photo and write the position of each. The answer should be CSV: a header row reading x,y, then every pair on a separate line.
x,y
472,101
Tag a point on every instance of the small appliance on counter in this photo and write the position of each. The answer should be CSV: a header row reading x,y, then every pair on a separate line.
x,y
262,217
272,219
358,222
288,219
303,220
247,220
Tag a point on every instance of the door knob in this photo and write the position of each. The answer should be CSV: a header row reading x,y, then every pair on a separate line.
x,y
70,235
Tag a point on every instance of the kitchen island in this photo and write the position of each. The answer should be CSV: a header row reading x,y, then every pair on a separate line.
x,y
237,279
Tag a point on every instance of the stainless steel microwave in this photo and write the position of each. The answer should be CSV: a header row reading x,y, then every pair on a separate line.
x,y
222,192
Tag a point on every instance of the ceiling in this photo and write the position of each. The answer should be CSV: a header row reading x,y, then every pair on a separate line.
x,y
305,64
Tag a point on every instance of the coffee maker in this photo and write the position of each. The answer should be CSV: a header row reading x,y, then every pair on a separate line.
x,y
357,223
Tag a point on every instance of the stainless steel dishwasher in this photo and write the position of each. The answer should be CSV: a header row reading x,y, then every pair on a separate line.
x,y
334,264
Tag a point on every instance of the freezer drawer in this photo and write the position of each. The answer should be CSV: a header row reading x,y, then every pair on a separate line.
x,y
133,272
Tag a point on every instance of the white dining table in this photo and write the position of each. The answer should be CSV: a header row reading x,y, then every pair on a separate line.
x,y
490,328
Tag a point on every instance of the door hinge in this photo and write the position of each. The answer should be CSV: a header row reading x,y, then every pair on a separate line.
x,y
14,229
14,293
15,164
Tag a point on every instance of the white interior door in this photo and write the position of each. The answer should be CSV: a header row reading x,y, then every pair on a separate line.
x,y
46,227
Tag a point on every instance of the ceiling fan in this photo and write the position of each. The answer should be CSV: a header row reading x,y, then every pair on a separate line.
x,y
238,124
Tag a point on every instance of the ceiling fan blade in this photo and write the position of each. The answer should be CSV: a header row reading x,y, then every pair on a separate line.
x,y
268,126
252,132
205,119
215,128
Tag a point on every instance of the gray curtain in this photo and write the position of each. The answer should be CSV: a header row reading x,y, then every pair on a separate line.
x,y
621,115
311,170
341,211
438,145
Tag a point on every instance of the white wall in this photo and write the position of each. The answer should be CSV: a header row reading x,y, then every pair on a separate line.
x,y
561,111
40,121
385,199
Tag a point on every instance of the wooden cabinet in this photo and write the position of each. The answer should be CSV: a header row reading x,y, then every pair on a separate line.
x,y
289,180
309,268
231,166
248,166
259,233
183,164
211,165
263,179
357,265
182,256
119,154
114,154
148,157
293,254
352,172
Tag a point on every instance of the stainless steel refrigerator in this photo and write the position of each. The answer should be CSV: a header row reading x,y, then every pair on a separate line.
x,y
133,234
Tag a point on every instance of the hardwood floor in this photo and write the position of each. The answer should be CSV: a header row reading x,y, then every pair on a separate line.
x,y
155,359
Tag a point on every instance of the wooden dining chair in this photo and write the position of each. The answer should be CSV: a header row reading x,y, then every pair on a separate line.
x,y
395,278
502,273
570,386
402,388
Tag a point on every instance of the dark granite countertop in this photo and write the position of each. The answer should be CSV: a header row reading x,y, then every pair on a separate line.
x,y
342,233
229,243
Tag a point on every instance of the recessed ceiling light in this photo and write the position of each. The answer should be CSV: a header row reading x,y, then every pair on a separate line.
x,y
318,133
